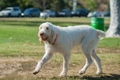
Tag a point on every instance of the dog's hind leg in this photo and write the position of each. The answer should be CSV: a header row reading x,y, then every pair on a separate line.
x,y
97,62
88,61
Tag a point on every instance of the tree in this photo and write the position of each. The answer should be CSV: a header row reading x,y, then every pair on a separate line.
x,y
114,28
24,4
8,3
91,5
2,4
43,4
57,5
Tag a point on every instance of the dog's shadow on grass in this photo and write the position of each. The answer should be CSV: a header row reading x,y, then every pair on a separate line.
x,y
84,77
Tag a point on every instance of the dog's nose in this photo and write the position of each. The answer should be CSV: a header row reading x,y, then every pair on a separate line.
x,y
41,34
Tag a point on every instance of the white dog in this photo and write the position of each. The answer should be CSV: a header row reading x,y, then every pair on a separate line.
x,y
63,39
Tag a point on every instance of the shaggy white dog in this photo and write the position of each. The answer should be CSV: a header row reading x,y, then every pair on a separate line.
x,y
63,39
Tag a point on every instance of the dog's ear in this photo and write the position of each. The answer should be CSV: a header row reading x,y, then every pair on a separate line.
x,y
52,34
51,38
41,41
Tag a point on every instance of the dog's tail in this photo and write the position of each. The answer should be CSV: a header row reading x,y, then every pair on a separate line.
x,y
101,33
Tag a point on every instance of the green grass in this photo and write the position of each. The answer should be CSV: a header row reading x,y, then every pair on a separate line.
x,y
33,22
18,36
110,43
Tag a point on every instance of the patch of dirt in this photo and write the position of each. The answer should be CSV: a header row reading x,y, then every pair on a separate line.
x,y
20,68
14,65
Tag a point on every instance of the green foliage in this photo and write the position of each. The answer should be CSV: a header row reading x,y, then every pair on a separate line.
x,y
92,4
8,3
57,5
38,3
2,4
24,4
68,4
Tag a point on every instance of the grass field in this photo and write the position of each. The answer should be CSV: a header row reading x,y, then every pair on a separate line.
x,y
20,50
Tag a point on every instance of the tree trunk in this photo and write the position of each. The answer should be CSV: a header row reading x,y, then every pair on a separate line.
x,y
114,28
44,4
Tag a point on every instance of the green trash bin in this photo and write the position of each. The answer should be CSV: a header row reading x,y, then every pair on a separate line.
x,y
97,23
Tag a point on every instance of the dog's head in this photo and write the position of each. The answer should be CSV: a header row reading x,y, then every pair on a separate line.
x,y
47,32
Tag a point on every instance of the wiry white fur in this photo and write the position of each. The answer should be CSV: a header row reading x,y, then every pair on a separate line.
x,y
69,37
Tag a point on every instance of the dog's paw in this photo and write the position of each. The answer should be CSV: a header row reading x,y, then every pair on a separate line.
x,y
35,72
62,75
81,72
99,72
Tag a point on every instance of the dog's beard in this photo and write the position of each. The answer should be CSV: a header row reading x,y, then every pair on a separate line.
x,y
44,38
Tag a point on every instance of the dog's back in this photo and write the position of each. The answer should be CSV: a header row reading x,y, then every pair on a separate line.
x,y
75,34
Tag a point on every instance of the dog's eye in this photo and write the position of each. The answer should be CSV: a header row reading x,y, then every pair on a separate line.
x,y
47,28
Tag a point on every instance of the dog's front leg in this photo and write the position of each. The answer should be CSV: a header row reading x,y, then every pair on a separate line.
x,y
66,60
45,58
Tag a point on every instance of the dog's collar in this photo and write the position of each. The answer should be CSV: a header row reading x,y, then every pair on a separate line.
x,y
55,39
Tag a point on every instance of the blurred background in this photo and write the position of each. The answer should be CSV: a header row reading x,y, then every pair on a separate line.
x,y
20,48
54,8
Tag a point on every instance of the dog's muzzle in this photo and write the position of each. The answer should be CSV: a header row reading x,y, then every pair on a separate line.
x,y
43,36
